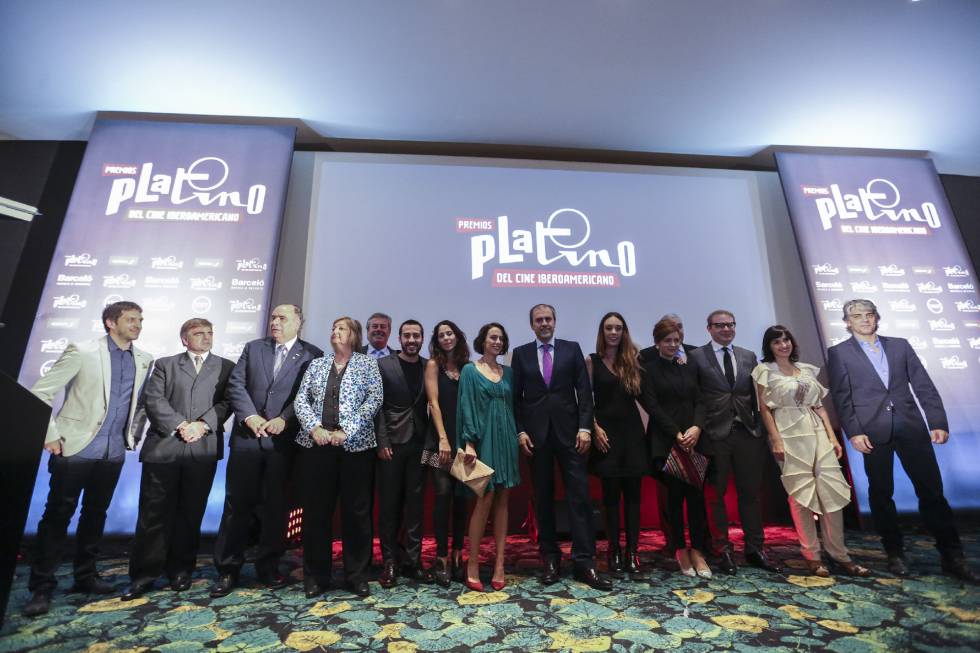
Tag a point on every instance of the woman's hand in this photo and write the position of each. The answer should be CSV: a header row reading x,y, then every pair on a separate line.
x,y
778,452
338,437
321,436
445,451
601,439
469,454
690,437
838,449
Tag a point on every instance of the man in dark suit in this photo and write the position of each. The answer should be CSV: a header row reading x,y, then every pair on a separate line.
x,y
378,331
261,390
870,380
731,439
401,427
553,412
186,406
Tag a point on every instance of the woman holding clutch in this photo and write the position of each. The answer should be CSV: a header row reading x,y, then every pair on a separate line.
x,y
485,424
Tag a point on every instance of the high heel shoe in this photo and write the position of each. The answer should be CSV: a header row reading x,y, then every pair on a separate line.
x,y
440,572
684,562
632,562
459,569
498,585
474,585
700,565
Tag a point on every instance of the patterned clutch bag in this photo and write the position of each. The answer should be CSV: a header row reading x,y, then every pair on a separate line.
x,y
688,466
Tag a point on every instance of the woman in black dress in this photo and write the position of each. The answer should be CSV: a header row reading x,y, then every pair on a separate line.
x,y
448,353
619,457
682,414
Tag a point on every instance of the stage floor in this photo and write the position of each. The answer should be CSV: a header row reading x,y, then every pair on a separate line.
x,y
753,611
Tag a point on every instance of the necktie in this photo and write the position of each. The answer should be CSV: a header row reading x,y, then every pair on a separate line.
x,y
546,363
198,361
729,368
280,359
378,353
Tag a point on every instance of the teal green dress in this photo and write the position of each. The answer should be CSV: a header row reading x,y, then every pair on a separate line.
x,y
485,417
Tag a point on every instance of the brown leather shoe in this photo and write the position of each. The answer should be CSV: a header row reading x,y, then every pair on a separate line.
x,y
817,568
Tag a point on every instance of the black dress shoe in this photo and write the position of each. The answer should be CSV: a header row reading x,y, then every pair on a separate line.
x,y
632,562
223,586
459,570
418,573
93,585
389,575
727,563
181,582
440,573
360,588
137,589
958,568
614,560
762,561
273,580
39,604
593,580
312,588
896,565
550,574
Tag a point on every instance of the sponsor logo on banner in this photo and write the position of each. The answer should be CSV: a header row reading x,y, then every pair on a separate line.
x,y
830,286
250,265
80,261
161,282
895,287
201,304
166,263
923,269
956,271
241,327
934,305
952,363
879,199
946,343
111,299
46,366
561,239
233,350
971,324
918,343
247,284
51,346
118,281
968,306
974,343
200,184
942,324
891,270
244,306
205,283
124,261
832,305
960,287
826,270
929,288
74,280
210,263
70,302
159,304
836,340
902,306
858,269
62,323
907,324
863,286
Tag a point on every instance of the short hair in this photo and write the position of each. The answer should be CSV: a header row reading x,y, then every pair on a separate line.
x,y
867,303
668,316
115,310
530,313
193,323
775,332
664,327
381,316
355,330
481,337
409,323
719,311
460,354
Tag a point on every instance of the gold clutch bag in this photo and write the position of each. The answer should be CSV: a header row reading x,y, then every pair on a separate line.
x,y
475,476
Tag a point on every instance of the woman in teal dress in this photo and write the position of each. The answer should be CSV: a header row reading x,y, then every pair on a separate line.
x,y
485,424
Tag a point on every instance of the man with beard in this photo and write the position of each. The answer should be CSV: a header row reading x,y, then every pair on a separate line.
x,y
378,330
401,426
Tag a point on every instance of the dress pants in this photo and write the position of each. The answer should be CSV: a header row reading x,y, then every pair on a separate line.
x,y
173,498
831,527
919,461
575,476
326,474
71,477
254,478
401,485
680,493
743,455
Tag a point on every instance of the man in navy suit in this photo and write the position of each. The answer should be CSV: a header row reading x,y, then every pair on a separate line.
x,y
870,379
261,390
553,411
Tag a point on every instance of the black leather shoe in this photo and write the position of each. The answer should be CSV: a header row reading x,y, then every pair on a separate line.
x,y
311,588
593,580
39,604
762,561
727,563
418,573
93,585
614,560
181,582
360,588
389,575
137,589
632,562
958,568
273,580
896,565
550,573
459,570
440,573
223,586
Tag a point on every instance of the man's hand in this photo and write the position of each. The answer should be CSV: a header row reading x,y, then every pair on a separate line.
x,y
255,424
861,443
53,447
384,453
192,432
524,441
274,426
583,442
601,439
320,435
939,436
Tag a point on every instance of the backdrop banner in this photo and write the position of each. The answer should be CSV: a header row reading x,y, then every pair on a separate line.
x,y
183,219
880,228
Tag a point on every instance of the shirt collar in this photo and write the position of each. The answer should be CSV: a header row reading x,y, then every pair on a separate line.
x,y
542,343
288,344
868,345
113,347
203,356
717,347
384,350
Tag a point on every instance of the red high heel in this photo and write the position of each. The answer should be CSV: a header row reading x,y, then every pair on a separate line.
x,y
474,585
498,584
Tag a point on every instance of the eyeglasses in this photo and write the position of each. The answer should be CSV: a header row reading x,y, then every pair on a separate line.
x,y
722,325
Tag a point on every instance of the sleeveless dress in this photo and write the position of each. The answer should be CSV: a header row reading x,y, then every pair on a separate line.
x,y
448,393
811,472
617,414
485,417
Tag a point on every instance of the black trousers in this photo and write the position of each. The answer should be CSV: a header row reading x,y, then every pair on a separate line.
x,y
401,485
679,493
919,461
92,480
173,498
254,478
629,489
450,502
575,476
743,455
326,474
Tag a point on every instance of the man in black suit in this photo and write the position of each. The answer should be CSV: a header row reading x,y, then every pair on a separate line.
x,y
553,412
186,406
378,330
732,440
870,380
261,390
401,426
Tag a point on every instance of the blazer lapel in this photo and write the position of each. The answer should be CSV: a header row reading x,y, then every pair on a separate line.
x,y
890,356
292,358
187,367
106,369
209,368
863,360
399,377
713,362
269,357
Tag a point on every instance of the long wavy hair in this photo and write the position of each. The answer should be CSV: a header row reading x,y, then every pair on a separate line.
x,y
460,355
626,365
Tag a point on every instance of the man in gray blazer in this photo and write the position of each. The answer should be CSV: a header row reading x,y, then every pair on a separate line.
x,y
731,439
186,406
88,440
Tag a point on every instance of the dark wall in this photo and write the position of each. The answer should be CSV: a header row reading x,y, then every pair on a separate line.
x,y
964,198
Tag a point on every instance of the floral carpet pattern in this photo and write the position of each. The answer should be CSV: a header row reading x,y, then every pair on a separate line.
x,y
661,610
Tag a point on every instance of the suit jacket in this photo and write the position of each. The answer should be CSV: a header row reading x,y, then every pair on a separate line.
x,y
361,393
403,416
722,402
364,350
565,404
84,370
176,393
252,391
866,406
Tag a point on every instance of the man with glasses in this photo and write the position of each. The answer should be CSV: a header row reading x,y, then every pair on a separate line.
x,y
732,439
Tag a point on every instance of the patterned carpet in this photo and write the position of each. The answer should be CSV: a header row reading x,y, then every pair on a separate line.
x,y
753,611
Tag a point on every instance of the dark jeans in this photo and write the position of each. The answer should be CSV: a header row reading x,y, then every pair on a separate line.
x,y
94,481
450,502
629,489
743,455
679,493
401,482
